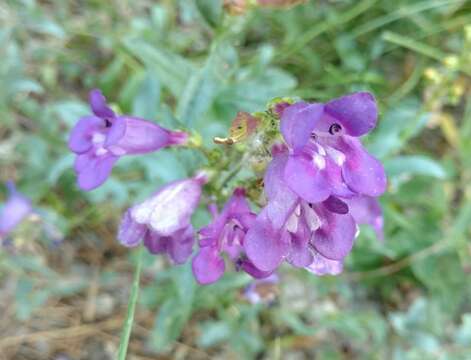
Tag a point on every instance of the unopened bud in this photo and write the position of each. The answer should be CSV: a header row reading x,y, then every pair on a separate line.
x,y
242,127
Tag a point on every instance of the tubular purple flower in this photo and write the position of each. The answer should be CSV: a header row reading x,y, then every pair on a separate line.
x,y
326,157
14,211
289,228
225,234
100,139
163,221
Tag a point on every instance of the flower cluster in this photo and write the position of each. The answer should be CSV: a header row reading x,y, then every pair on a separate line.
x,y
319,184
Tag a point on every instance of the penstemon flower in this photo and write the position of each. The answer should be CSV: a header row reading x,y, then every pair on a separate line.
x,y
289,228
326,157
14,210
225,234
163,221
311,183
99,140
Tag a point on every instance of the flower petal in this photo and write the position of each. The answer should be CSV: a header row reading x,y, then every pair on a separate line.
x,y
334,239
281,200
98,104
305,179
116,132
80,140
335,205
208,266
297,123
362,172
357,113
252,270
367,210
264,246
170,208
300,255
130,233
181,245
93,170
155,243
333,174
133,135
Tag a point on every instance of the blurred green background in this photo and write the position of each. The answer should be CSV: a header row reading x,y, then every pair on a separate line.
x,y
64,282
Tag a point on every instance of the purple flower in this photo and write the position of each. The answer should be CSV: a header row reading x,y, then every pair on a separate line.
x,y
16,208
326,157
318,187
99,140
292,229
163,221
225,234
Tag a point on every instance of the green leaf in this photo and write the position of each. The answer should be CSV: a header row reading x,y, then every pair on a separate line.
x,y
169,323
401,166
444,277
198,94
146,102
396,127
59,167
213,333
252,94
176,310
172,70
210,10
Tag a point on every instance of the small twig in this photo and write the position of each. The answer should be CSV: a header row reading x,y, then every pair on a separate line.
x,y
231,174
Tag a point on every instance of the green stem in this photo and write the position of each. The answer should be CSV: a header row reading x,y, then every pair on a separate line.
x,y
126,334
231,174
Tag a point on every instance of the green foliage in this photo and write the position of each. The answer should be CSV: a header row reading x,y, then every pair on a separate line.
x,y
189,65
